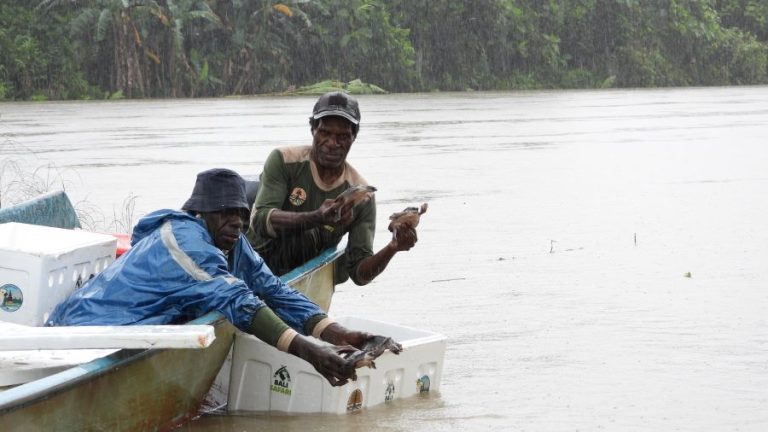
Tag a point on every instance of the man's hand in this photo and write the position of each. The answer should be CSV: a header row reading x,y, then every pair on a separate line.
x,y
327,360
333,212
404,239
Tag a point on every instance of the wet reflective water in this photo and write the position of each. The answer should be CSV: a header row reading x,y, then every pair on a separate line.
x,y
556,253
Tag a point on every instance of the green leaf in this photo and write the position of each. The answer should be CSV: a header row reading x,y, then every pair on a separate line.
x,y
204,72
105,18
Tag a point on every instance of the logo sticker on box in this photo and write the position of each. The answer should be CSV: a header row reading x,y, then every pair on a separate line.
x,y
422,384
389,393
355,401
281,381
11,298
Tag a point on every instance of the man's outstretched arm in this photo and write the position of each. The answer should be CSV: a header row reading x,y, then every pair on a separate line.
x,y
326,359
374,265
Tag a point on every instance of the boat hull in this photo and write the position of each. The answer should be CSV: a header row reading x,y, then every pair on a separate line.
x,y
129,390
316,279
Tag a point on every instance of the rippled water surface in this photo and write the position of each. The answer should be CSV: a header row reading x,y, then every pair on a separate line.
x,y
555,256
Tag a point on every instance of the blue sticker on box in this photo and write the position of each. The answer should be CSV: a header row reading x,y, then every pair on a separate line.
x,y
422,384
11,298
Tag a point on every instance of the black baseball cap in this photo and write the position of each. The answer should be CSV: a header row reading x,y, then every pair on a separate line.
x,y
337,104
217,189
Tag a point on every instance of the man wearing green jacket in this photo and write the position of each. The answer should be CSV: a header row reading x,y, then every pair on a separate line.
x,y
296,214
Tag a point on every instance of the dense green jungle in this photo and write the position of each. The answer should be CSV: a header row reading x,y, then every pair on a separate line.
x,y
98,49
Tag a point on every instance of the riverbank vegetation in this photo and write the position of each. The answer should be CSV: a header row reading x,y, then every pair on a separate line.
x,y
71,49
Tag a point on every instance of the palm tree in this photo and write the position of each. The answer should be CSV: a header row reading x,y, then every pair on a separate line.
x,y
142,42
111,26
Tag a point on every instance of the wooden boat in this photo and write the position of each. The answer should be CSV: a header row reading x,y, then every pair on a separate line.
x,y
132,389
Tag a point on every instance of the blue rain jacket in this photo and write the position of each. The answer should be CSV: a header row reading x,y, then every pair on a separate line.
x,y
174,273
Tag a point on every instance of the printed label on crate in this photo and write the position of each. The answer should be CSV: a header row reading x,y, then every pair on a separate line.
x,y
389,393
281,381
422,384
11,298
355,401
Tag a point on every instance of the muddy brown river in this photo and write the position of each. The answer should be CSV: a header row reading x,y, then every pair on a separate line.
x,y
598,260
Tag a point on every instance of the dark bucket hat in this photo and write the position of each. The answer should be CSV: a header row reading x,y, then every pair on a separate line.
x,y
217,189
337,104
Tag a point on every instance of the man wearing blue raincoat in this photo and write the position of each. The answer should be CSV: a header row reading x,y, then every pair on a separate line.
x,y
183,264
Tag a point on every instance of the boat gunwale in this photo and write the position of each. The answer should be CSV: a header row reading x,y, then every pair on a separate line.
x,y
327,256
28,393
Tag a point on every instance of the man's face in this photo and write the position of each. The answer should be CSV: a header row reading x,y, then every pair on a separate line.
x,y
225,227
331,142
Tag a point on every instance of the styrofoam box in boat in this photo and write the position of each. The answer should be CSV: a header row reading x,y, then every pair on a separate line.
x,y
264,379
40,266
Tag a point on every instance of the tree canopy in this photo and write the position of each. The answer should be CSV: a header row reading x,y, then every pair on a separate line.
x,y
80,49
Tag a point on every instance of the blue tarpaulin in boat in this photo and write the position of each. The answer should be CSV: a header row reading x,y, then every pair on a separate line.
x,y
52,209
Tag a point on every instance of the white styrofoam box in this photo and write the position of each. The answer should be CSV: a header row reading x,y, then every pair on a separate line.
x,y
264,379
40,266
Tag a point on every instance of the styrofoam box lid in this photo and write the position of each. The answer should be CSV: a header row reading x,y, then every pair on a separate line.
x,y
407,336
43,240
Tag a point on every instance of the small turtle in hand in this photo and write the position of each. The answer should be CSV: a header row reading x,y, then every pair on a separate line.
x,y
372,349
407,218
356,194
362,358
